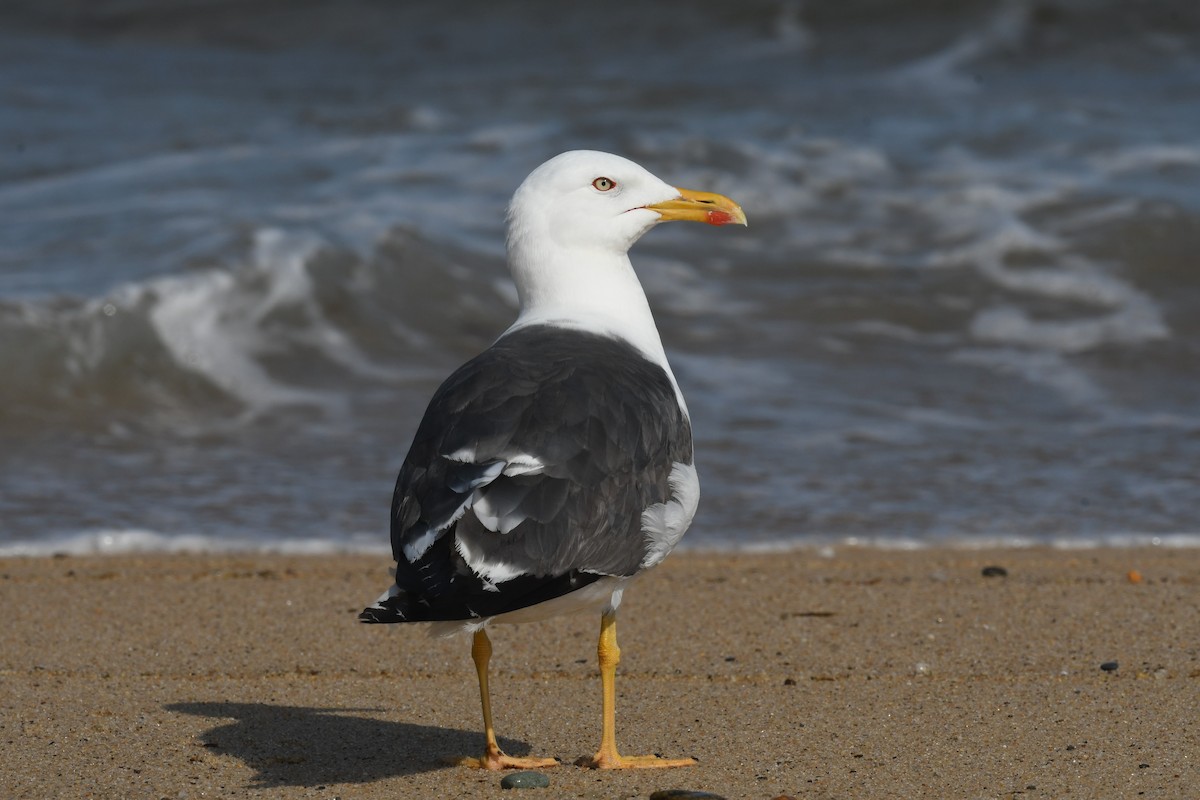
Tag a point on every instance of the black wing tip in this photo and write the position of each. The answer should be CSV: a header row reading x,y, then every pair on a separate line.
x,y
375,614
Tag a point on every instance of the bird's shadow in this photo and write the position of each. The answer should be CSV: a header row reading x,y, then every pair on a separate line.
x,y
296,746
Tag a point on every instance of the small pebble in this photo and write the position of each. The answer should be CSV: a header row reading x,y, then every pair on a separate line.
x,y
1134,576
1109,666
684,794
995,572
524,780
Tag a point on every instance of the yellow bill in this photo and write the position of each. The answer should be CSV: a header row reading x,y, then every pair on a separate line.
x,y
709,207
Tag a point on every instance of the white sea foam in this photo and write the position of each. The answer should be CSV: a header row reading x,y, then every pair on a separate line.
x,y
1147,157
222,324
1008,325
127,541
1046,369
943,70
828,545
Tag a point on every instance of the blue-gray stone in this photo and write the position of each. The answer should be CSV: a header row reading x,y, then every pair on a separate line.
x,y
524,780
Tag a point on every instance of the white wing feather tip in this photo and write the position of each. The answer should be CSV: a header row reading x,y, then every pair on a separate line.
x,y
665,523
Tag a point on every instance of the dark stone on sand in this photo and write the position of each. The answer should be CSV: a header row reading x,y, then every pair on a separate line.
x,y
995,572
1109,666
684,794
524,780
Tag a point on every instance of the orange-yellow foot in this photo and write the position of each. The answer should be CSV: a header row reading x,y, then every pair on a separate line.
x,y
616,761
498,761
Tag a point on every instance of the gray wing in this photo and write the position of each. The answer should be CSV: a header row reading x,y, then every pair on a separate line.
x,y
530,472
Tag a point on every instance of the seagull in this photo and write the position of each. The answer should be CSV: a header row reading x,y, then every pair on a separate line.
x,y
556,466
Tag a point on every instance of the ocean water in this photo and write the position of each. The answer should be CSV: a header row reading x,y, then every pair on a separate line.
x,y
243,242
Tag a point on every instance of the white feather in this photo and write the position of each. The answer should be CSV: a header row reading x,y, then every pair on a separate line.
x,y
491,571
492,519
665,523
523,464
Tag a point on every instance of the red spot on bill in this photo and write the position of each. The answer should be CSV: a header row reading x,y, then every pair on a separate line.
x,y
719,217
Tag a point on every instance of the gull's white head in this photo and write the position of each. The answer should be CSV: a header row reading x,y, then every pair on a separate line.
x,y
570,226
585,200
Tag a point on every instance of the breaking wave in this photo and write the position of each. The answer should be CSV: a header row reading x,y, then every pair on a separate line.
x,y
292,326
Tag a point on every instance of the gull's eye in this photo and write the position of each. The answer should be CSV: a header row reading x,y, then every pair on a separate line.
x,y
604,184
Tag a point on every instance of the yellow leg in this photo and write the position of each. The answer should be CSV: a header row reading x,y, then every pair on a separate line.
x,y
493,756
607,757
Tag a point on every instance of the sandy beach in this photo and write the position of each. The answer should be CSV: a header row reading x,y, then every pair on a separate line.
x,y
862,674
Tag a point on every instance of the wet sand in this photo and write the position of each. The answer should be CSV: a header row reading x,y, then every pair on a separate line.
x,y
867,674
